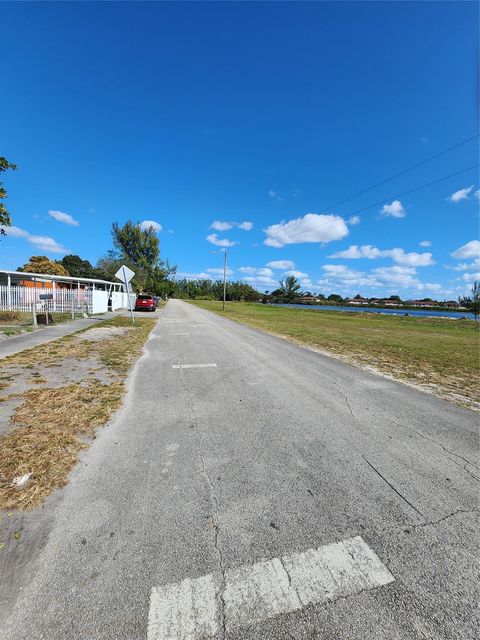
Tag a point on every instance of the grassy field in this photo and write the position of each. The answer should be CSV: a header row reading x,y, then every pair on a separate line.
x,y
54,397
438,354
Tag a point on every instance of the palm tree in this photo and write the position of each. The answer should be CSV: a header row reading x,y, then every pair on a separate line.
x,y
290,289
472,302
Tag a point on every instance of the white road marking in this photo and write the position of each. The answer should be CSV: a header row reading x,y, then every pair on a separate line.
x,y
182,334
190,610
184,611
193,366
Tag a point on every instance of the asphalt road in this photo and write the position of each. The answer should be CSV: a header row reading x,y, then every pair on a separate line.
x,y
274,451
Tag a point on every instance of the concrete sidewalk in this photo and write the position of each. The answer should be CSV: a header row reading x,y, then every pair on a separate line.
x,y
15,344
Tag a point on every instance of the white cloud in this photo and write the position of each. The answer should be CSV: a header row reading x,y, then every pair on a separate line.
x,y
15,232
469,250
413,259
343,275
65,218
220,225
45,243
398,255
264,281
214,239
147,224
477,194
396,277
256,271
465,266
193,276
394,210
218,271
281,264
296,274
425,243
461,194
246,225
471,277
273,194
354,220
312,227
399,276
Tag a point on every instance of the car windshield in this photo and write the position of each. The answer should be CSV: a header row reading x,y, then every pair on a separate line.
x,y
144,297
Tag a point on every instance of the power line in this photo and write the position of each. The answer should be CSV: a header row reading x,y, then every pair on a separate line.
x,y
401,173
422,186
376,204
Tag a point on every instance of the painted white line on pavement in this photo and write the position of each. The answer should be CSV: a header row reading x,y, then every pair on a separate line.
x,y
193,366
190,610
186,611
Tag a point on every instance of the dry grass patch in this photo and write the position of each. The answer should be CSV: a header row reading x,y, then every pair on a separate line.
x,y
53,424
10,316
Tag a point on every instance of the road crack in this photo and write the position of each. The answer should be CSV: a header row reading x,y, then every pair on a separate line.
x,y
215,505
446,449
290,585
400,495
345,398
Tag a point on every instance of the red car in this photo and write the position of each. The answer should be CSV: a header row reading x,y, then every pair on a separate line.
x,y
144,302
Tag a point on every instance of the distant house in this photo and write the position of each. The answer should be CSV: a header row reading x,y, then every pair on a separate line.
x,y
358,300
425,303
391,303
310,299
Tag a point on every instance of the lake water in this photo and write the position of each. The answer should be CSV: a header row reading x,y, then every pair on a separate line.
x,y
391,312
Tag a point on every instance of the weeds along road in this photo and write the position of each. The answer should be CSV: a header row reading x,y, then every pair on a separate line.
x,y
252,489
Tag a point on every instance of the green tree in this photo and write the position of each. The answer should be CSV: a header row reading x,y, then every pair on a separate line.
x,y
139,249
108,265
335,297
472,302
42,264
140,246
5,219
78,268
290,289
213,290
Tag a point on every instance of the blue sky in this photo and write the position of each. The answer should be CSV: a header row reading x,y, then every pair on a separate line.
x,y
188,114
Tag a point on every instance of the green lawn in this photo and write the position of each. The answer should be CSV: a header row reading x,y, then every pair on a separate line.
x,y
438,353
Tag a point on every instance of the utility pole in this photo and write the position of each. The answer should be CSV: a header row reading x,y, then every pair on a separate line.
x,y
224,277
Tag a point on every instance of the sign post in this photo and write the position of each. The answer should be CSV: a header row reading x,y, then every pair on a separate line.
x,y
44,297
125,275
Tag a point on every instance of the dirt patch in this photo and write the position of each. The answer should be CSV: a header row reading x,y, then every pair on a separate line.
x,y
103,333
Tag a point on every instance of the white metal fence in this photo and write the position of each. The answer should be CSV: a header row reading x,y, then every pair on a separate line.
x,y
62,300
18,298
